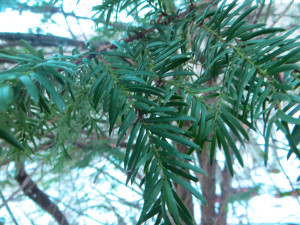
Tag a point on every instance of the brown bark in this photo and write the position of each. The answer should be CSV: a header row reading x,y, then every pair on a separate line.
x,y
225,195
208,187
209,215
39,197
143,33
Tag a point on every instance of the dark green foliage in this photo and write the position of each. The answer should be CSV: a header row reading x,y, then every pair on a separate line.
x,y
147,87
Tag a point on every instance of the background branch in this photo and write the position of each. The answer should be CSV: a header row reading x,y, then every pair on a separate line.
x,y
283,13
39,197
8,209
12,39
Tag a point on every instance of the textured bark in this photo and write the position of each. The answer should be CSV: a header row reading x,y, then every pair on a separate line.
x,y
225,195
39,197
209,215
208,187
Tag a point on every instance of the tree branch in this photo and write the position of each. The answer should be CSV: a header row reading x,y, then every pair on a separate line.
x,y
143,33
25,182
69,28
8,209
51,10
39,197
13,39
283,13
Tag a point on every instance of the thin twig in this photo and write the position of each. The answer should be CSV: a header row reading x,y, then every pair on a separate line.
x,y
283,13
287,177
80,213
143,33
23,185
8,209
268,11
69,28
189,35
83,34
258,15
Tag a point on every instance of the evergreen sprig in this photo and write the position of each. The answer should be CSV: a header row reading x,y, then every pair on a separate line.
x,y
189,78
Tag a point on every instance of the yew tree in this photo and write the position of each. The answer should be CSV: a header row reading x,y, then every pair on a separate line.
x,y
185,81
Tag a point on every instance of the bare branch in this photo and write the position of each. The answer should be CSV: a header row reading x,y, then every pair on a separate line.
x,y
8,209
258,15
143,33
268,11
69,28
39,197
283,13
285,174
25,182
51,10
37,40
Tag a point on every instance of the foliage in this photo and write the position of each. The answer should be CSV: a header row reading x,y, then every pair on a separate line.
x,y
154,88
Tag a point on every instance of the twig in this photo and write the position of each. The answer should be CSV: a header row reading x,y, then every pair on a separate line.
x,y
69,28
143,33
39,197
56,10
286,15
83,34
189,35
80,213
258,15
287,177
8,209
283,13
23,185
119,217
268,11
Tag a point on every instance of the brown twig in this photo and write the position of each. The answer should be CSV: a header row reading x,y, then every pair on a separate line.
x,y
69,28
39,197
83,34
268,11
285,174
8,209
258,15
143,33
283,13
189,35
25,182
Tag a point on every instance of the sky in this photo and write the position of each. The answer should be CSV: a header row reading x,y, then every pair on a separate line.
x,y
14,21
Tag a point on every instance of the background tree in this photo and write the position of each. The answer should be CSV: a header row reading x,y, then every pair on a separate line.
x,y
184,81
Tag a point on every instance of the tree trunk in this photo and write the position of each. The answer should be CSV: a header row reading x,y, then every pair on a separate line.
x,y
225,194
208,187
209,216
